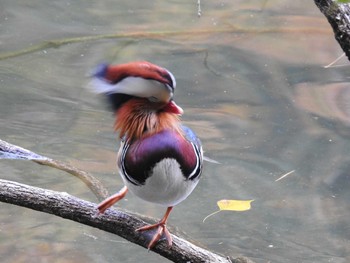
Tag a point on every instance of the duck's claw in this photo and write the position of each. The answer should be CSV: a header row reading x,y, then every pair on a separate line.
x,y
161,229
161,225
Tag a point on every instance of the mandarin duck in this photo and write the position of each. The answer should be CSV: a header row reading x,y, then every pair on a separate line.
x,y
159,160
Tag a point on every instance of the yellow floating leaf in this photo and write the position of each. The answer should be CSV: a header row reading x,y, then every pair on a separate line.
x,y
231,205
234,205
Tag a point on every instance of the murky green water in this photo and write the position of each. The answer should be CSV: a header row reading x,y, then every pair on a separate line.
x,y
252,82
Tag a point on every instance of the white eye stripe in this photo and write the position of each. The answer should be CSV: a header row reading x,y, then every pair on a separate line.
x,y
100,86
135,86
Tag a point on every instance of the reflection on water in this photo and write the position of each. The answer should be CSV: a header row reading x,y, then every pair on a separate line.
x,y
253,87
330,101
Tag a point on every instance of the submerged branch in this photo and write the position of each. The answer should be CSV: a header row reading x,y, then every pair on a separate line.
x,y
150,35
11,151
113,221
90,181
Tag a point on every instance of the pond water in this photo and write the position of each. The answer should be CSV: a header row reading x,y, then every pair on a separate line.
x,y
251,78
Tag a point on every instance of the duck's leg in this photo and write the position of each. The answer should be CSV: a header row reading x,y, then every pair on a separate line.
x,y
102,207
161,225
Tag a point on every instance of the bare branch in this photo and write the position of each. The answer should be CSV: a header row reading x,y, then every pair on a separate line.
x,y
11,151
113,221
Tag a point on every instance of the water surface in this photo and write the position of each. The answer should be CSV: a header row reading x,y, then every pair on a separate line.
x,y
251,79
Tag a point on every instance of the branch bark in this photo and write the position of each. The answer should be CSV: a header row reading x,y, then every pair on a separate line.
x,y
338,16
113,221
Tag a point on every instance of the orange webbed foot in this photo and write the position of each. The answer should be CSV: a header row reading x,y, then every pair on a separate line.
x,y
161,229
161,225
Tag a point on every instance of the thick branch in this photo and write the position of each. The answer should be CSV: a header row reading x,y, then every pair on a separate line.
x,y
338,16
113,221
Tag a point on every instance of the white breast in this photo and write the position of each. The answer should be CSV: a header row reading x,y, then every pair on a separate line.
x,y
166,186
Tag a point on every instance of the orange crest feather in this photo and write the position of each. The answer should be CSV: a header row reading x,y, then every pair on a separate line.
x,y
138,118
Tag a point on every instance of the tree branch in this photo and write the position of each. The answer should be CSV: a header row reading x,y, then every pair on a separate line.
x,y
11,151
67,206
338,16
113,221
